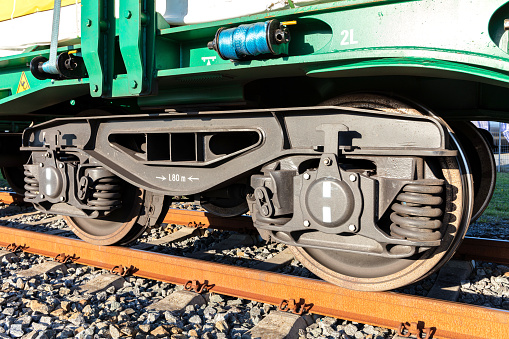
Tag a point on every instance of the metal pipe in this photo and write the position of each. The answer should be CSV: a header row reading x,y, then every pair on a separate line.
x,y
50,66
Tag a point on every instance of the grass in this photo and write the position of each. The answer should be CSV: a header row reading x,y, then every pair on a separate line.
x,y
3,182
499,204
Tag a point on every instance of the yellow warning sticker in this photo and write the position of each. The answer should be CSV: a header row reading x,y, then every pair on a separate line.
x,y
23,83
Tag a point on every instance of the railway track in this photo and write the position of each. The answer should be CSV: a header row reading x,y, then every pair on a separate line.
x,y
443,319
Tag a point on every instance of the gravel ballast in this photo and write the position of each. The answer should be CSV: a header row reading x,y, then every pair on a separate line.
x,y
51,306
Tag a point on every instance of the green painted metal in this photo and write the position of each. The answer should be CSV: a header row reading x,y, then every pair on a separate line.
x,y
98,36
437,39
137,24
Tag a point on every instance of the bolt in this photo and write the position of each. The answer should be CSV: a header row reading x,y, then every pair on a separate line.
x,y
506,24
60,165
352,228
306,176
327,161
95,88
353,177
89,22
128,14
134,84
41,165
307,223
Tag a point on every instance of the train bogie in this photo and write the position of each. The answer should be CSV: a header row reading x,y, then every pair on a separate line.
x,y
342,127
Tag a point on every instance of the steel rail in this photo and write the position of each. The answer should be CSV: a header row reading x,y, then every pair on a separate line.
x,y
10,198
204,219
490,250
386,309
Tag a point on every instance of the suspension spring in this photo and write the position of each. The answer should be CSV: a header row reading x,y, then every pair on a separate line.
x,y
105,194
416,213
31,185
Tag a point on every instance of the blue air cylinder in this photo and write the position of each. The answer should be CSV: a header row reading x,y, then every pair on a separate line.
x,y
269,37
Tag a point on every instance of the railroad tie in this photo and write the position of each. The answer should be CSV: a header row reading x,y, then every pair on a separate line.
x,y
448,284
280,325
16,216
7,256
102,282
180,235
43,268
233,241
44,221
178,301
277,261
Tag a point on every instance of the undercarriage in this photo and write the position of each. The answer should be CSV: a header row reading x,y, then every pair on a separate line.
x,y
371,193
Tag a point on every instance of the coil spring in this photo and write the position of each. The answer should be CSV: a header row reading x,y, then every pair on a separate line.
x,y
31,185
415,216
105,194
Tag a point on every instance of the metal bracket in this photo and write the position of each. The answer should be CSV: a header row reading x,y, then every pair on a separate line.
x,y
137,25
123,270
97,44
291,306
416,329
66,259
16,248
198,287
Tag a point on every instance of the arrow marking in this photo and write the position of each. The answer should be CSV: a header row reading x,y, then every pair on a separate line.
x,y
163,178
191,178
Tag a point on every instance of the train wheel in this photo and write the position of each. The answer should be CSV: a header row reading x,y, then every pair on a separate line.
x,y
15,177
125,224
482,163
371,273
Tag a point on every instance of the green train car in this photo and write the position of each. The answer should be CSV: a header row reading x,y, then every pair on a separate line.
x,y
342,126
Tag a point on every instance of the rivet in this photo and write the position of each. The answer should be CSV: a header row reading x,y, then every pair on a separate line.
x,y
95,88
506,24
61,165
327,161
134,84
353,177
307,223
128,14
62,199
89,22
41,196
306,176
352,228
41,165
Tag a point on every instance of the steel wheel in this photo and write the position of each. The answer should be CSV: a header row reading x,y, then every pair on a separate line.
x,y
482,163
370,273
121,226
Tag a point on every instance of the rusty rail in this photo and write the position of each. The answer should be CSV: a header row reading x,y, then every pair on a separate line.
x,y
386,309
204,219
10,198
490,250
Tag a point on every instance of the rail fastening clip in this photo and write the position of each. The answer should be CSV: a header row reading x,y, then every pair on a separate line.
x,y
198,287
291,306
417,329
